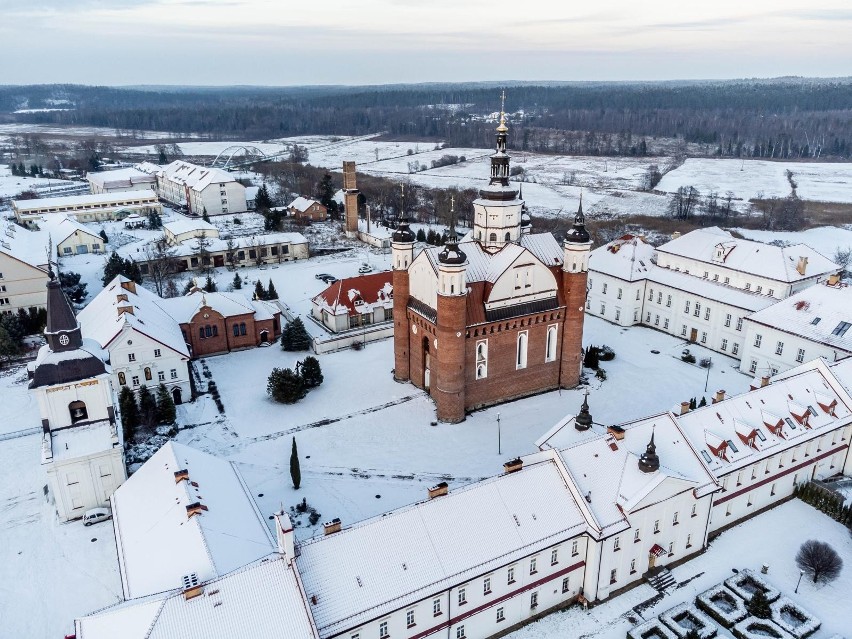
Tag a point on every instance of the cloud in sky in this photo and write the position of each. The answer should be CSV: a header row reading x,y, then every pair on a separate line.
x,y
377,41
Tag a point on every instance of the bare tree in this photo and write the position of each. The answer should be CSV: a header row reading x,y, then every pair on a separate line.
x,y
231,253
842,257
819,561
162,263
204,252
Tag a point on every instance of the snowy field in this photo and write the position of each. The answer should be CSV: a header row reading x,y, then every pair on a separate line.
x,y
749,545
821,182
12,185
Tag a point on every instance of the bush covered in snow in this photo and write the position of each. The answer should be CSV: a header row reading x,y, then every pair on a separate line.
x,y
722,605
747,582
685,617
752,628
794,619
653,629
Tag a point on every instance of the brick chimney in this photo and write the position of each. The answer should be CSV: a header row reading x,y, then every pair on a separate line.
x,y
332,526
616,431
129,285
191,586
764,381
720,396
438,490
181,475
513,465
195,509
833,279
802,265
684,407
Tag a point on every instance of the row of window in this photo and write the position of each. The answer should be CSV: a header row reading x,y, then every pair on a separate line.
x,y
437,609
520,352
161,376
131,357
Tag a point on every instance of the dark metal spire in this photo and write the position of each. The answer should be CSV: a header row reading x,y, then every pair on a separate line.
x,y
62,331
578,233
403,232
583,421
452,254
649,462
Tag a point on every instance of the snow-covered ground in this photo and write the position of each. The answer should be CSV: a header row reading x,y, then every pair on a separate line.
x,y
824,239
818,181
772,538
12,185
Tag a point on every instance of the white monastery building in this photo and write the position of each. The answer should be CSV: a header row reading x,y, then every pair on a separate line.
x,y
594,512
812,323
198,188
700,286
355,302
145,344
82,451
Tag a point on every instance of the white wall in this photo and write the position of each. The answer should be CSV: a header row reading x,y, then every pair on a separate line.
x,y
130,341
765,357
81,483
53,401
23,285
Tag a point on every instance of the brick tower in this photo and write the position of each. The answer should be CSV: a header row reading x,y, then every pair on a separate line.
x,y
350,199
575,271
448,389
403,254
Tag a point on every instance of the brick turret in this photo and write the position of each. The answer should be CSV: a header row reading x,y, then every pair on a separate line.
x,y
448,387
575,272
403,255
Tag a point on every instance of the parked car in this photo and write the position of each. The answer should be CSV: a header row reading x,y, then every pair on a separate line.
x,y
365,268
96,515
322,276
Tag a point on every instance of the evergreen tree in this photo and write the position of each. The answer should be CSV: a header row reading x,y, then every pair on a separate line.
x,y
166,412
263,201
311,372
259,291
147,408
421,235
104,236
116,265
238,282
154,220
703,402
295,337
71,286
325,191
187,289
162,157
758,605
295,471
210,285
285,385
271,293
129,413
692,404
692,634
11,336
204,215
592,358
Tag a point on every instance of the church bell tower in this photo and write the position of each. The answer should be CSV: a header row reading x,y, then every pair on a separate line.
x,y
575,272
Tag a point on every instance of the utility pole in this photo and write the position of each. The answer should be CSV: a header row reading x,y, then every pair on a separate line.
x,y
499,446
707,380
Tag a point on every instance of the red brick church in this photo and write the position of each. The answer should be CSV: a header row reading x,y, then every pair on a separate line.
x,y
494,316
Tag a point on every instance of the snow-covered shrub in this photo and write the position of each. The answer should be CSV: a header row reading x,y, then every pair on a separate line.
x,y
722,605
752,628
653,629
747,582
793,619
685,617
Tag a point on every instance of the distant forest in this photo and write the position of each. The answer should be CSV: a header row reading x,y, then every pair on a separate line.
x,y
790,118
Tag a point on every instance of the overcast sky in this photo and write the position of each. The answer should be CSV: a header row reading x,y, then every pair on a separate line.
x,y
285,42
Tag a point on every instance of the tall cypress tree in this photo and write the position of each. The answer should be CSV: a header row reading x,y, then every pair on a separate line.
x,y
238,281
147,407
166,412
295,471
271,293
129,413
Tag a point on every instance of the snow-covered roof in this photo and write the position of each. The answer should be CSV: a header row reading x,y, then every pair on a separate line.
x,y
545,247
102,321
261,600
627,258
820,313
385,563
25,245
606,471
710,289
190,225
79,441
108,199
195,177
216,244
357,295
63,227
158,539
302,204
183,309
120,178
748,256
714,430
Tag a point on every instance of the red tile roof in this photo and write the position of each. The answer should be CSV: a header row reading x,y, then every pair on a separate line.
x,y
370,288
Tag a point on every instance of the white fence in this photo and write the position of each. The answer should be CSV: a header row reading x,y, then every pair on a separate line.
x,y
341,341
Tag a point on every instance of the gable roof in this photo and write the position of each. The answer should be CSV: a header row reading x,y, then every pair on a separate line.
x,y
195,177
24,245
121,178
158,542
183,309
189,225
61,228
349,295
627,258
302,204
385,563
747,256
102,322
816,313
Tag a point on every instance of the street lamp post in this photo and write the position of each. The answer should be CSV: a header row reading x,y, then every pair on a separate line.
x,y
801,574
499,446
707,379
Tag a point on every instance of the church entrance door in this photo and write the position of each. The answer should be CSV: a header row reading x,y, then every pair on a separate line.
x,y
176,395
693,335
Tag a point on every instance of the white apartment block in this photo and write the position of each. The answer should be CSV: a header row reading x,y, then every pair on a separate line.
x,y
812,323
126,179
200,189
700,286
23,269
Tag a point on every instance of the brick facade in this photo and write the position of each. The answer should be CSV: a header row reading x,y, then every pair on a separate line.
x,y
221,338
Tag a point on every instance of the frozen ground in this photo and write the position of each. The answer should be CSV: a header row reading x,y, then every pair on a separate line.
x,y
770,538
12,185
818,181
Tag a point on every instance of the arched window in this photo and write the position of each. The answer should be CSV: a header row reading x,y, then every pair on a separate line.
x,y
147,374
550,351
242,328
215,330
78,411
492,237
521,360
479,235
480,371
122,379
201,332
236,330
508,237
